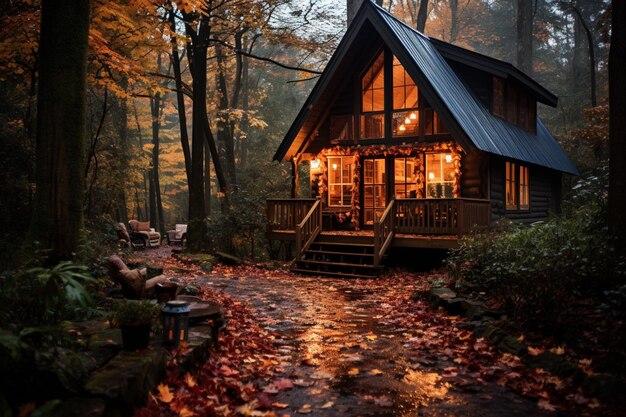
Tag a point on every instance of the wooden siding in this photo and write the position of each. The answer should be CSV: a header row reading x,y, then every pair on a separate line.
x,y
545,192
474,175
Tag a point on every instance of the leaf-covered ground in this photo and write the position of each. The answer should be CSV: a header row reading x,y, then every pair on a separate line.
x,y
298,345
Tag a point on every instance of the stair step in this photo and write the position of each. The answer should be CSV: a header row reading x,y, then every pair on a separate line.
x,y
338,264
330,252
350,245
329,274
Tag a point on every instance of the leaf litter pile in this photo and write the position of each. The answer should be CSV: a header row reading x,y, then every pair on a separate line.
x,y
279,356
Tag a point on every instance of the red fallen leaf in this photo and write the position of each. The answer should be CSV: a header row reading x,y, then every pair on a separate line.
x,y
534,351
280,385
279,405
545,405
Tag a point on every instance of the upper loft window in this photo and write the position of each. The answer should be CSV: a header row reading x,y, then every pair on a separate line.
x,y
373,100
513,104
405,99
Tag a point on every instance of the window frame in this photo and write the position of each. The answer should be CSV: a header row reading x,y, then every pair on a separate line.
x,y
428,182
516,188
340,184
363,114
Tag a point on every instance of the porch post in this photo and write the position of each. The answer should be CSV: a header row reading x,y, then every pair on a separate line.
x,y
295,177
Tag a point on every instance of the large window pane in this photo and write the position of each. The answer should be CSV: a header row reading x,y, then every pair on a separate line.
x,y
373,86
439,175
372,125
406,123
404,88
511,186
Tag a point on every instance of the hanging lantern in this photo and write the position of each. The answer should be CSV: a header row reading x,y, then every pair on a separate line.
x,y
175,322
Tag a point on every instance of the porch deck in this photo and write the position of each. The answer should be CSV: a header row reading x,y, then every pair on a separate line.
x,y
435,223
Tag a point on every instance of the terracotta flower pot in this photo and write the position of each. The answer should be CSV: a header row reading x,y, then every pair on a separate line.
x,y
166,291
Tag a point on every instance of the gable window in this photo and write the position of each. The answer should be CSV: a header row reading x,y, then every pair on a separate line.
x,y
517,190
340,178
373,100
439,175
405,121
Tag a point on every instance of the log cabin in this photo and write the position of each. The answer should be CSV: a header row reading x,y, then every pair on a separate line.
x,y
412,142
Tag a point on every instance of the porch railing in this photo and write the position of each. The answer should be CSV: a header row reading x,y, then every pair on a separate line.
x,y
308,229
287,213
441,216
383,232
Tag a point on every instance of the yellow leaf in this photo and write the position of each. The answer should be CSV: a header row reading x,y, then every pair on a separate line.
x,y
376,372
353,371
280,405
558,350
534,351
185,412
328,404
164,394
371,337
190,381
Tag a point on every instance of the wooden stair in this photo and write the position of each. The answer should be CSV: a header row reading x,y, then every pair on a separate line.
x,y
346,256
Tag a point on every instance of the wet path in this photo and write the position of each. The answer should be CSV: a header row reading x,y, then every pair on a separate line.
x,y
346,357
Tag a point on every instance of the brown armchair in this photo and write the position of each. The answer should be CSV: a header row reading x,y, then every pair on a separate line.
x,y
151,237
133,281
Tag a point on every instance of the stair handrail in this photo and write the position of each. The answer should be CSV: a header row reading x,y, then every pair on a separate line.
x,y
308,229
384,232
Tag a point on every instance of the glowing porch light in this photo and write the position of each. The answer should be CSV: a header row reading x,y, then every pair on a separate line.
x,y
402,128
448,158
431,175
315,163
334,166
413,116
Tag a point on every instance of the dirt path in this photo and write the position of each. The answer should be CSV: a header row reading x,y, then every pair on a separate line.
x,y
346,356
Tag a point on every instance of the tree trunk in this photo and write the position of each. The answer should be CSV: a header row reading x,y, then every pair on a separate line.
x,y
352,8
422,16
61,128
180,97
155,107
197,227
207,178
454,20
224,131
617,124
592,57
123,153
525,35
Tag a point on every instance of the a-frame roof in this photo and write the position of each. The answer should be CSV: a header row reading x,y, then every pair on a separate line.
x,y
469,121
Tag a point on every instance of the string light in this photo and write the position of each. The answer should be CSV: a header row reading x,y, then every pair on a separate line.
x,y
402,128
413,116
407,121
315,164
448,158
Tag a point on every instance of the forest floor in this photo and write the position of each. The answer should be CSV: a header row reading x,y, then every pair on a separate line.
x,y
297,345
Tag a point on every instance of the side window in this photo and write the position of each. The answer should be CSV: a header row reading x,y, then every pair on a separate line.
x,y
517,187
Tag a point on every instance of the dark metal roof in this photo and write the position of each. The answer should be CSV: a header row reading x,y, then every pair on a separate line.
x,y
464,114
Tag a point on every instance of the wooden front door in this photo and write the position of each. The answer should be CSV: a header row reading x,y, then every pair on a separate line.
x,y
374,190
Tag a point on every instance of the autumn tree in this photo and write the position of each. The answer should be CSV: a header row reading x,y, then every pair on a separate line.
x,y
63,48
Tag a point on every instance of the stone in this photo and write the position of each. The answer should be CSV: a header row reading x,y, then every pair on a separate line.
x,y
128,377
453,306
510,344
200,342
439,294
107,338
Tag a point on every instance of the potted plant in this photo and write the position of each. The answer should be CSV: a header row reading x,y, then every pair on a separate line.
x,y
135,320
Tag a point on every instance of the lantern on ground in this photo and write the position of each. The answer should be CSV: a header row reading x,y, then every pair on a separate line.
x,y
175,322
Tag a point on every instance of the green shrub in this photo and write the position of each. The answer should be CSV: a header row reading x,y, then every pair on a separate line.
x,y
537,270
37,356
